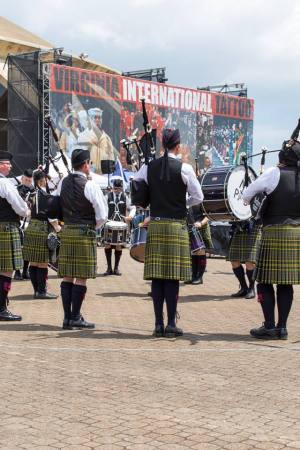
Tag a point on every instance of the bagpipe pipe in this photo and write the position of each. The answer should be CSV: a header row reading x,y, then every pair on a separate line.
x,y
290,151
44,202
145,146
61,156
146,151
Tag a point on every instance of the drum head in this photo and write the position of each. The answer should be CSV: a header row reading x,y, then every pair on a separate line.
x,y
137,252
235,188
115,225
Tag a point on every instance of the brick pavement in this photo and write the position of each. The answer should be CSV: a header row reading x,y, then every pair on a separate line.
x,y
116,387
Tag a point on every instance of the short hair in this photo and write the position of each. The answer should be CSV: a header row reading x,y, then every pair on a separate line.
x,y
38,175
79,165
118,183
28,173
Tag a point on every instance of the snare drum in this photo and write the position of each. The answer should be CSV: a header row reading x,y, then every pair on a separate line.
x,y
115,233
196,241
138,244
222,189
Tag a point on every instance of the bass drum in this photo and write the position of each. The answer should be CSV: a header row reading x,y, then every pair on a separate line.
x,y
222,189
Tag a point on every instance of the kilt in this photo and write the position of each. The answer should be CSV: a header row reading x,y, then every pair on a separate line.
x,y
78,252
10,247
167,254
279,255
245,246
206,236
35,247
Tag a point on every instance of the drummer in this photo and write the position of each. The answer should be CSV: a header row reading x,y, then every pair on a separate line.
x,y
119,210
200,223
244,246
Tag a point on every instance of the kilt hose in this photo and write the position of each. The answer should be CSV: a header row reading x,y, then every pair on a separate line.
x,y
78,252
35,247
167,254
10,247
245,246
279,255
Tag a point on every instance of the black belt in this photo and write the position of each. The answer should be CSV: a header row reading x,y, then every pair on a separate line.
x,y
167,218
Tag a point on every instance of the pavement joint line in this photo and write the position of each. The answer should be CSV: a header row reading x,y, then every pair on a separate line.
x,y
260,348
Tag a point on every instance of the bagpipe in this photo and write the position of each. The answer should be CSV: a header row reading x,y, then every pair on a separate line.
x,y
146,151
61,156
290,151
145,146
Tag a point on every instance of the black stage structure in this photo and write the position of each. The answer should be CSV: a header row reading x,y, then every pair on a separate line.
x,y
158,74
28,136
27,104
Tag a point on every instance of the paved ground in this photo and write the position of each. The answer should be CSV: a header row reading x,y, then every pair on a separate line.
x,y
118,388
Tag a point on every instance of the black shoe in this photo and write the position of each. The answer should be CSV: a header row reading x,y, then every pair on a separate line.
x,y
117,272
159,331
81,323
25,276
171,332
240,293
197,281
108,272
66,325
250,293
45,295
18,275
8,316
282,333
188,282
264,333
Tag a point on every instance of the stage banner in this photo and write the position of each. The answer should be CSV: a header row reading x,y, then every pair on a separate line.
x,y
97,110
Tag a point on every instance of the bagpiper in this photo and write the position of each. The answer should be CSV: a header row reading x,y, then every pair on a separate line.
x,y
84,210
35,248
26,190
167,255
12,207
279,254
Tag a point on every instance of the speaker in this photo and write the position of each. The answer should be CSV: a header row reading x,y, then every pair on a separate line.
x,y
108,166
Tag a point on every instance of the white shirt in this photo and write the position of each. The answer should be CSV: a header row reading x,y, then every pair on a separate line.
x,y
11,194
267,182
195,194
93,194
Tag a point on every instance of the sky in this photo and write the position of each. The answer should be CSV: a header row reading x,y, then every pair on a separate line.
x,y
200,42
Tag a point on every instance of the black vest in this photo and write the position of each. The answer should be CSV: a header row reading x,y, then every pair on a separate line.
x,y
283,204
7,214
24,190
112,207
45,206
76,209
167,198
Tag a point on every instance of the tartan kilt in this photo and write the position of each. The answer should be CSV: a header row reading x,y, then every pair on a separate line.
x,y
279,255
35,247
245,246
206,236
10,247
167,254
78,252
